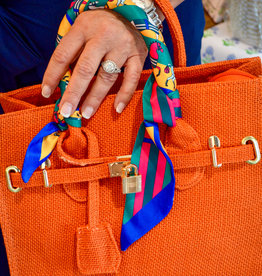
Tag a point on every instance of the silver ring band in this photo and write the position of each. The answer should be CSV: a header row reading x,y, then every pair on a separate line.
x,y
110,67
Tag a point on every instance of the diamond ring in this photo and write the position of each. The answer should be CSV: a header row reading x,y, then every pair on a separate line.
x,y
110,67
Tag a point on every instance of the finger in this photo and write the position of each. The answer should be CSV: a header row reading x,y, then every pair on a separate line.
x,y
102,85
66,51
133,69
83,73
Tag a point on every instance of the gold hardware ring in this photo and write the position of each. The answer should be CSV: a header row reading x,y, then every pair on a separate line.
x,y
256,148
8,179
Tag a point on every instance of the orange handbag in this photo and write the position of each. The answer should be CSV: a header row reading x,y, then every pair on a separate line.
x,y
67,219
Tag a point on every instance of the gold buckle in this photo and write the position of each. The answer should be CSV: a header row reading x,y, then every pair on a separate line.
x,y
46,164
256,148
115,168
130,183
213,143
8,179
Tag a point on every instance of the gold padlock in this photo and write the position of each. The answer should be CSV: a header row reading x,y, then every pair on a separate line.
x,y
131,183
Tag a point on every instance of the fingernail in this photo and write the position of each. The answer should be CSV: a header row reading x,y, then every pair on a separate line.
x,y
87,113
66,110
120,107
46,91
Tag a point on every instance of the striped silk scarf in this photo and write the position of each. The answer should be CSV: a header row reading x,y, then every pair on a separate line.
x,y
161,104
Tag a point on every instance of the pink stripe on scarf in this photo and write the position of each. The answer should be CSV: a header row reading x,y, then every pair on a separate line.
x,y
157,115
138,204
172,110
176,102
160,173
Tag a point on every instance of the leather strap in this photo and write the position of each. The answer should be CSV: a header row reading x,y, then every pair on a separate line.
x,y
196,159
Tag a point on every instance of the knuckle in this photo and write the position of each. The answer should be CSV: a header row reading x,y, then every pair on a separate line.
x,y
81,18
73,95
85,69
126,93
106,29
60,55
107,78
95,99
107,37
134,75
128,39
125,50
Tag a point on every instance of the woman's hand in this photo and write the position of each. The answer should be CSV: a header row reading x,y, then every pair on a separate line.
x,y
96,36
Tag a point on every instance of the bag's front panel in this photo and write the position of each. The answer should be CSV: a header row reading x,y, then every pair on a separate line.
x,y
214,227
229,110
40,224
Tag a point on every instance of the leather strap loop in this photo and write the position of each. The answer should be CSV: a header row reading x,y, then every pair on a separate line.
x,y
73,147
95,172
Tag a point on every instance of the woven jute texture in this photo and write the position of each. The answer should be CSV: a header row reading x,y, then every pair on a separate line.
x,y
73,228
214,227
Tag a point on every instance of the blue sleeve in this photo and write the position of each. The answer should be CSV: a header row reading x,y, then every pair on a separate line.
x,y
192,19
28,29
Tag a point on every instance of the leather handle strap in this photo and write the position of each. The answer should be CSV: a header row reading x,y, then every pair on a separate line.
x,y
95,172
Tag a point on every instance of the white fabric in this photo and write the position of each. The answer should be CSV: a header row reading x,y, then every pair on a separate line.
x,y
219,44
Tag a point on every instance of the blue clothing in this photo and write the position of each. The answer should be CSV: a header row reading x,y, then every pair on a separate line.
x,y
28,30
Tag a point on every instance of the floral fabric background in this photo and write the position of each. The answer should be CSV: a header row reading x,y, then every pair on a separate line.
x,y
219,44
215,8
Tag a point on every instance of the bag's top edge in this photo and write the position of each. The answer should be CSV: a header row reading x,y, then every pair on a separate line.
x,y
215,85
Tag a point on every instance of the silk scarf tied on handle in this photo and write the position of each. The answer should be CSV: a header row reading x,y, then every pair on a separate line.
x,y
161,104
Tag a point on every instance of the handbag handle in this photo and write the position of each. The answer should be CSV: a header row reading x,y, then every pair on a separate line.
x,y
175,31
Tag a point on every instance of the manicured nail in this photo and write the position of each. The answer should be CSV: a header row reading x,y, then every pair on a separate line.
x,y
46,91
66,110
88,112
120,107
